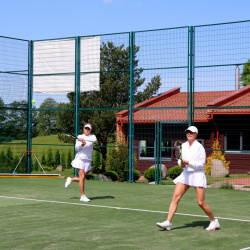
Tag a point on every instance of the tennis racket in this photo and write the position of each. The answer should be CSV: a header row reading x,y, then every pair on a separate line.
x,y
66,133
70,135
178,150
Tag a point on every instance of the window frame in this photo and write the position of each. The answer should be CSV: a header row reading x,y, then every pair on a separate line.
x,y
236,151
151,158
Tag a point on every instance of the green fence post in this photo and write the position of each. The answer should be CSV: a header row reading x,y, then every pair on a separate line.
x,y
30,91
77,86
158,136
191,76
131,109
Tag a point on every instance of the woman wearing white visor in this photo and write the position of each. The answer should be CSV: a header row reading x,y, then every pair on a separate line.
x,y
82,162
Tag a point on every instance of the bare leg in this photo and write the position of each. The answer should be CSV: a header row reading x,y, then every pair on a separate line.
x,y
80,179
200,196
180,190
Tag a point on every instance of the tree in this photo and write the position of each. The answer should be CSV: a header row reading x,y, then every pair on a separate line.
x,y
69,159
57,158
9,156
43,159
117,159
114,93
96,159
50,160
63,160
14,120
47,120
3,118
3,160
245,75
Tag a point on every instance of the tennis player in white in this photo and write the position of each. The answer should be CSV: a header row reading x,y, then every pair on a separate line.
x,y
193,175
83,158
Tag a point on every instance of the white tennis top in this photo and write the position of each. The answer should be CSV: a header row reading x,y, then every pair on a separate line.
x,y
195,154
85,152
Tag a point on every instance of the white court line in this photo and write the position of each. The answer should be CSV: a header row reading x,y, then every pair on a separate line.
x,y
245,248
122,208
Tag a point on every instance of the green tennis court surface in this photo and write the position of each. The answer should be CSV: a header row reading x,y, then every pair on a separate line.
x,y
42,214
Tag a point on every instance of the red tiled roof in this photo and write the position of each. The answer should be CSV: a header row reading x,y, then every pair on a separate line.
x,y
176,104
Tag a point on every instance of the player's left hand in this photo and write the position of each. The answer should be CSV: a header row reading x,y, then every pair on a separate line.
x,y
184,163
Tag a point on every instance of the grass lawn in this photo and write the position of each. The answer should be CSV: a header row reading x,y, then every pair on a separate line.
x,y
42,214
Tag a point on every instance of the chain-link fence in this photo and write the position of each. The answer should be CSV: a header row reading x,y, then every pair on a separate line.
x,y
139,90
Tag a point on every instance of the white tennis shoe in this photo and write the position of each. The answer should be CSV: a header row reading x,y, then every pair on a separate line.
x,y
166,225
67,183
84,198
213,225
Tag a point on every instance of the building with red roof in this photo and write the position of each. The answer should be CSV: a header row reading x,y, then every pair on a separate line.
x,y
222,115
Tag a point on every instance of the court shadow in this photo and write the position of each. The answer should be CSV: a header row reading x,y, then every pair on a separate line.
x,y
202,224
95,198
102,197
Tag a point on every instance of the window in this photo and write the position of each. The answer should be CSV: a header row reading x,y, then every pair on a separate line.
x,y
147,149
166,149
245,140
238,140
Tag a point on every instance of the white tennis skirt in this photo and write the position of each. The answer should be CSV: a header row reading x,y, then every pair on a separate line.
x,y
192,179
85,165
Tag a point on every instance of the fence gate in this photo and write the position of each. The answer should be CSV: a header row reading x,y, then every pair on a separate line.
x,y
166,133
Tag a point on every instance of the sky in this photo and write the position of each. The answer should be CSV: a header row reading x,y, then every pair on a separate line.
x,y
45,19
48,19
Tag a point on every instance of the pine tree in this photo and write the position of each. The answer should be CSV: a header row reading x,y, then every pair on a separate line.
x,y
3,160
43,159
69,159
50,160
57,158
63,160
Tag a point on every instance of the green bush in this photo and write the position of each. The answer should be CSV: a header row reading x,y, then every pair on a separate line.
x,y
46,168
89,177
136,175
175,171
227,186
112,174
117,159
150,174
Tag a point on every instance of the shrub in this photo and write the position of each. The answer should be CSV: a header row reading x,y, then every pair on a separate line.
x,y
69,159
136,175
46,168
117,158
50,160
43,159
63,160
227,186
97,159
57,160
175,171
112,174
150,174
89,177
217,154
